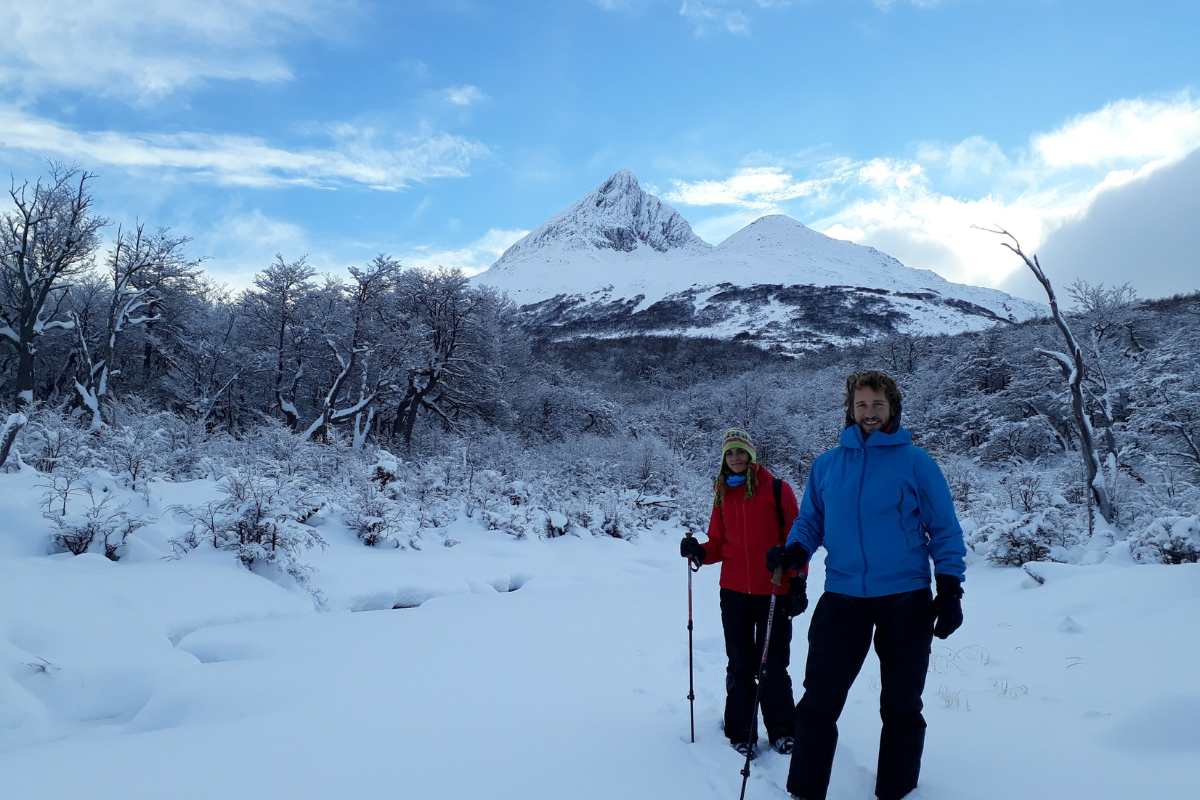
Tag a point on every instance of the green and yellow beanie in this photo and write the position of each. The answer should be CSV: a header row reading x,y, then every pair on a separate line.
x,y
738,438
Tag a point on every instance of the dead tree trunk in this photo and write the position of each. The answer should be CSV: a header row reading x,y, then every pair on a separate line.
x,y
1074,370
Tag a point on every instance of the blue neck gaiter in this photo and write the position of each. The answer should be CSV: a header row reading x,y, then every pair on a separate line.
x,y
733,481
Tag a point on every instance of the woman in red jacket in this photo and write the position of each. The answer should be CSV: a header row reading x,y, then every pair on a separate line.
x,y
752,512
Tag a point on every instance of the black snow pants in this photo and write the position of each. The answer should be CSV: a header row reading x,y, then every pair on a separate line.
x,y
744,618
839,637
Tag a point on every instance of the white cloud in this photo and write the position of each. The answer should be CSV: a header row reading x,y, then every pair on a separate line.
x,y
749,187
923,209
1127,131
887,5
887,174
1142,232
703,16
924,228
466,95
707,15
243,242
139,50
471,258
355,155
973,158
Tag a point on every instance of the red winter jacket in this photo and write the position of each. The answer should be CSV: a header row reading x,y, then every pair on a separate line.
x,y
742,529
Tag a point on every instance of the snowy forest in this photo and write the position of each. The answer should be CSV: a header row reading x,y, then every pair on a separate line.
x,y
398,399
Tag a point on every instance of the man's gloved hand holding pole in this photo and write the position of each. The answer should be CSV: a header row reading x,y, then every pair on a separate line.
x,y
793,556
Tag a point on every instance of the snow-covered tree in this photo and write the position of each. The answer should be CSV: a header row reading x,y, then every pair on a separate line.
x,y
352,344
48,237
1074,371
449,366
137,265
277,304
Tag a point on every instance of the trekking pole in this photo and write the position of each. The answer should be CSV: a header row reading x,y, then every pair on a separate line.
x,y
692,567
777,579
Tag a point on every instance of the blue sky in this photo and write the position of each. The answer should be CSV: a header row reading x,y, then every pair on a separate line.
x,y
440,131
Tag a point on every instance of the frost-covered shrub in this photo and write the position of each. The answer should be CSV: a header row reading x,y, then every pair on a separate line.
x,y
133,453
1014,537
557,524
1025,486
187,444
1167,540
58,487
289,454
53,439
1028,438
965,480
428,493
506,507
261,518
100,525
370,514
612,522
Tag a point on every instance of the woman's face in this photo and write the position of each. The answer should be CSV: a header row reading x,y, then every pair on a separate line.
x,y
737,460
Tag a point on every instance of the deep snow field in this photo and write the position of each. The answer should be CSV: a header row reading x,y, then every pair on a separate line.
x,y
540,669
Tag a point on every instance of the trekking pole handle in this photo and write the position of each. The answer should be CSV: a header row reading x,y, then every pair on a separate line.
x,y
693,565
777,576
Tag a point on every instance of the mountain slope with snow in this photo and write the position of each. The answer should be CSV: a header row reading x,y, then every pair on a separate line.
x,y
621,262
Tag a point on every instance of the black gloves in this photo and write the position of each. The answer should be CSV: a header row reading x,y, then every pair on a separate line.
x,y
947,606
791,557
692,550
797,596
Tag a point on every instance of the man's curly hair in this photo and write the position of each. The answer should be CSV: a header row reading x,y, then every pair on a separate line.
x,y
880,382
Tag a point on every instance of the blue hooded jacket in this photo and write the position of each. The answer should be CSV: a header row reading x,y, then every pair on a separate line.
x,y
882,509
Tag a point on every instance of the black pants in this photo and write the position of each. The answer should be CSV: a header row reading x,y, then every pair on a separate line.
x,y
744,618
839,636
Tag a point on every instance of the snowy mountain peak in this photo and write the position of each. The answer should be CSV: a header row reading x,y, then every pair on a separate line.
x,y
620,182
617,216
621,261
774,228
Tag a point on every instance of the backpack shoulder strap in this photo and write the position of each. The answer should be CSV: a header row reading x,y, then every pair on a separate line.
x,y
777,490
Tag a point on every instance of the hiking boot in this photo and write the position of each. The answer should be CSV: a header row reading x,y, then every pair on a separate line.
x,y
783,745
745,749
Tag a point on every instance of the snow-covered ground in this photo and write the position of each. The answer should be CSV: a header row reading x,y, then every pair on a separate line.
x,y
541,669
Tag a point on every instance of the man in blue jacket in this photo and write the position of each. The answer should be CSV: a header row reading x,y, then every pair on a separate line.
x,y
880,507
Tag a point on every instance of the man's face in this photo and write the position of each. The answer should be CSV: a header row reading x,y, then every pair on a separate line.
x,y
871,409
737,460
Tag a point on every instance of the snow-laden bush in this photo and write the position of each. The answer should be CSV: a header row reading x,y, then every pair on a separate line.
x,y
585,486
288,453
427,493
370,514
53,439
965,480
1012,537
188,444
135,453
1030,486
1167,540
260,517
98,524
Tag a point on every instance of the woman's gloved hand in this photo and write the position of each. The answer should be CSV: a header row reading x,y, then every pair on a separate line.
x,y
692,550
